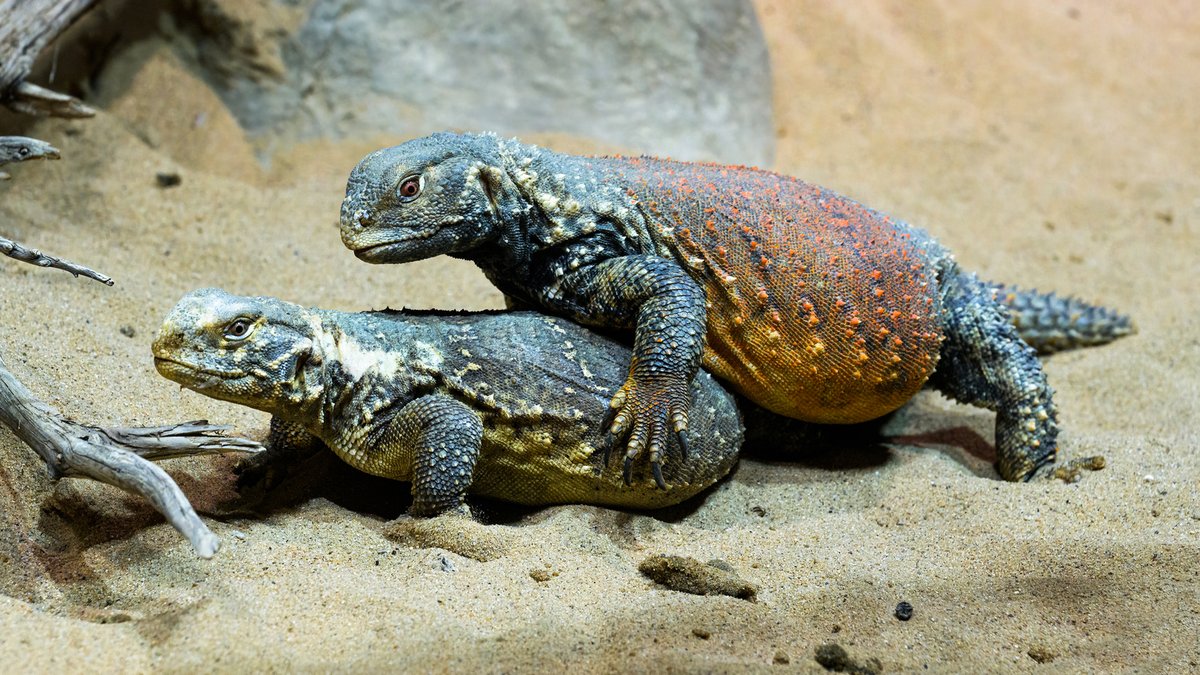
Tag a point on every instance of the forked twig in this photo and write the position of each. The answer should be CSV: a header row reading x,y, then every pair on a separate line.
x,y
119,456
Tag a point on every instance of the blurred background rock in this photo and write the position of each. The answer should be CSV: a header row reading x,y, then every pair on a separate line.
x,y
688,80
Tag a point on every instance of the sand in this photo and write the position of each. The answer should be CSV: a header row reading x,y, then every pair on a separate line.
x,y
1048,143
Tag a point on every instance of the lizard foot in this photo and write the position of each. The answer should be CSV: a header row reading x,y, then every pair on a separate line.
x,y
259,471
1026,439
651,414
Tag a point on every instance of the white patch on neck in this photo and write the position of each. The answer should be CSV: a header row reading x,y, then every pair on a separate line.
x,y
358,360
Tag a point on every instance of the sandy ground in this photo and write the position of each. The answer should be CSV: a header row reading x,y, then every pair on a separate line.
x,y
1048,143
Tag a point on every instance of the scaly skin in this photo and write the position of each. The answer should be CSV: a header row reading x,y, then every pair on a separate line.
x,y
1050,323
498,404
806,302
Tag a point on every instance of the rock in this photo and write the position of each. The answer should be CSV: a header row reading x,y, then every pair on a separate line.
x,y
687,575
689,80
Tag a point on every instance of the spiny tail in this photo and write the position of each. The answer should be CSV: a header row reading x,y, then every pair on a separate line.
x,y
1050,323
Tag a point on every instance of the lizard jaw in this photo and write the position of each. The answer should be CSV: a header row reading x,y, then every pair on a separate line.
x,y
168,366
389,251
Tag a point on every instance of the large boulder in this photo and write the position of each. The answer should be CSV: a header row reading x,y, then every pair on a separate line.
x,y
689,80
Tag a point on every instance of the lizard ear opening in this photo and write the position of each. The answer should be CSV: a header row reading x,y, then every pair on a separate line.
x,y
306,356
491,180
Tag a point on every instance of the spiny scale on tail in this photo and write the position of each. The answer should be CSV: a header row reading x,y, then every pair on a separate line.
x,y
1051,323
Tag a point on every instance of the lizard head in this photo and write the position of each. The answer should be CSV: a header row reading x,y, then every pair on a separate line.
x,y
441,194
255,351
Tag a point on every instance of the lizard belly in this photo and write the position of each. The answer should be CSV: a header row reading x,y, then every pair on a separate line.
x,y
814,375
823,322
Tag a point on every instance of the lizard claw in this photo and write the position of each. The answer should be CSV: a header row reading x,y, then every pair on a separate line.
x,y
647,414
258,471
610,439
684,451
655,467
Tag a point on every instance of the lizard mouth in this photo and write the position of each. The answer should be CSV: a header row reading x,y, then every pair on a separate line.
x,y
389,251
378,252
168,366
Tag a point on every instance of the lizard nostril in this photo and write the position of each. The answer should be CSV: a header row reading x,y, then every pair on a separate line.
x,y
361,218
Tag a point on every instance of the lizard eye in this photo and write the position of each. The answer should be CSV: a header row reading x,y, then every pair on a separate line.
x,y
410,187
21,152
239,328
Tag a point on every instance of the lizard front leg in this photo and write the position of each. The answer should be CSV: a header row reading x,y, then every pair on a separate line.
x,y
288,444
444,437
666,307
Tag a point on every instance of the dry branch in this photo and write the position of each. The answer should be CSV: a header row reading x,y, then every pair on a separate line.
x,y
23,148
26,27
32,256
31,99
119,456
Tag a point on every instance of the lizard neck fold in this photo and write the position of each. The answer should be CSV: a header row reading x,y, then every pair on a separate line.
x,y
370,365
555,213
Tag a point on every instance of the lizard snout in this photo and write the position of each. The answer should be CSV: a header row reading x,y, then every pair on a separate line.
x,y
355,218
169,340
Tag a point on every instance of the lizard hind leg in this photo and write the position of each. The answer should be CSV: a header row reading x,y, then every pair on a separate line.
x,y
985,363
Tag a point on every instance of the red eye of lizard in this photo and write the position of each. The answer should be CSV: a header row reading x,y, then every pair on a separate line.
x,y
410,187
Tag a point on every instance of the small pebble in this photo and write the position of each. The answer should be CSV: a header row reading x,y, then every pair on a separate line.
x,y
904,611
832,657
701,633
720,564
167,179
1041,654
128,331
781,658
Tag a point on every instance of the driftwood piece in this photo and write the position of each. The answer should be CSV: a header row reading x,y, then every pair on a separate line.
x,y
26,27
33,256
119,456
22,149
31,99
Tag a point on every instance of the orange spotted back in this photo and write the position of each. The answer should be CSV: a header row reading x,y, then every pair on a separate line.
x,y
818,307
